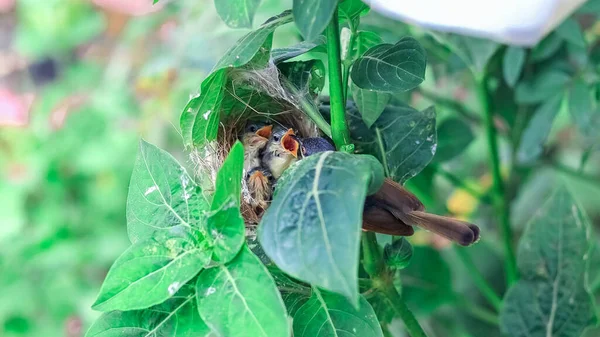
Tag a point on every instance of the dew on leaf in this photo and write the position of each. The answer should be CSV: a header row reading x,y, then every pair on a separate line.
x,y
150,189
173,287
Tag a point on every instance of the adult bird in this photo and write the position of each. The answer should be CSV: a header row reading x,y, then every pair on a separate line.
x,y
394,210
281,151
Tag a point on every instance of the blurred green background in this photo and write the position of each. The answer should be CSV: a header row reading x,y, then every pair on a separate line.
x,y
82,81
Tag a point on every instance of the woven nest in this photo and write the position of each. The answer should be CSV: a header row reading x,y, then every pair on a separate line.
x,y
258,95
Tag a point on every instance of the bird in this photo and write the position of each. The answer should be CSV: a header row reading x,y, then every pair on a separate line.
x,y
254,138
281,151
394,210
260,183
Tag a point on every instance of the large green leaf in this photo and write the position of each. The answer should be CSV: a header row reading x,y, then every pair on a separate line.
x,y
475,52
402,138
312,228
547,47
161,195
370,103
351,10
387,67
541,87
240,299
225,224
454,136
176,317
365,40
512,64
151,271
329,314
313,16
199,120
582,109
286,53
551,299
246,48
237,13
535,134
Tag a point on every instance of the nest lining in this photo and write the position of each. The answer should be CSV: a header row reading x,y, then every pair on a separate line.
x,y
275,105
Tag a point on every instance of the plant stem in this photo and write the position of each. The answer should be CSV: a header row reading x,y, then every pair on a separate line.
x,y
500,203
373,263
451,104
339,128
308,108
479,312
457,182
478,279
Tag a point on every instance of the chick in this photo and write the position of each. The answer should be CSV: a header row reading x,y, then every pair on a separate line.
x,y
260,186
310,146
255,138
281,151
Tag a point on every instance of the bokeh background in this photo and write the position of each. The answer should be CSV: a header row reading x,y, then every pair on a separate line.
x,y
82,81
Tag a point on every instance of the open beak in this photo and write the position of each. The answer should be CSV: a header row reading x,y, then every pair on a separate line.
x,y
290,143
265,131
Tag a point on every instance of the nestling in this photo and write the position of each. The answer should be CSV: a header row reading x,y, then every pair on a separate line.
x,y
255,137
281,151
260,186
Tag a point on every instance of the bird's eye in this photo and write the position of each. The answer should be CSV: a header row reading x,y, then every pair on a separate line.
x,y
253,128
276,138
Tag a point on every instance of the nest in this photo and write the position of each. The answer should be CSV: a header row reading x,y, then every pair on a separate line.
x,y
258,94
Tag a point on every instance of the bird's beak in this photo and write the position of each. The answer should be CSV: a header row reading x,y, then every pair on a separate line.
x,y
290,143
265,131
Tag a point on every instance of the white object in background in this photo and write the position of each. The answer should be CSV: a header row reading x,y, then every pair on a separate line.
x,y
517,22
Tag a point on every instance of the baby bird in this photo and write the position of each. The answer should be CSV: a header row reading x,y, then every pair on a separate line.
x,y
260,186
310,146
255,137
281,151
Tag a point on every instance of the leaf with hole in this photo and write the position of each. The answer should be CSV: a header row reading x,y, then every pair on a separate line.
x,y
370,103
394,68
151,271
313,16
312,228
454,136
225,225
512,64
237,13
329,314
253,307
537,130
402,138
306,76
551,298
176,317
161,195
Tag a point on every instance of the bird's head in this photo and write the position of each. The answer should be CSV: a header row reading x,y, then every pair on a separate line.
x,y
256,133
284,140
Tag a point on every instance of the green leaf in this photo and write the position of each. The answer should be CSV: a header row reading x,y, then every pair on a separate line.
x,y
475,52
397,255
582,110
370,103
307,76
571,32
286,53
402,138
246,48
151,271
237,13
365,40
312,228
240,299
537,130
176,317
387,67
294,294
547,47
200,118
512,64
161,195
426,282
328,314
313,16
541,87
349,10
454,136
225,225
551,299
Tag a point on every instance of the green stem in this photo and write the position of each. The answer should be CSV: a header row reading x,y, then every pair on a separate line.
x,y
373,263
500,204
347,63
480,313
308,108
478,279
450,104
339,128
457,182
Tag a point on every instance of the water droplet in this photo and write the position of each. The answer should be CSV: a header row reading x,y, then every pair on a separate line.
x,y
210,291
237,56
206,114
430,138
150,189
196,95
417,142
433,148
173,287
